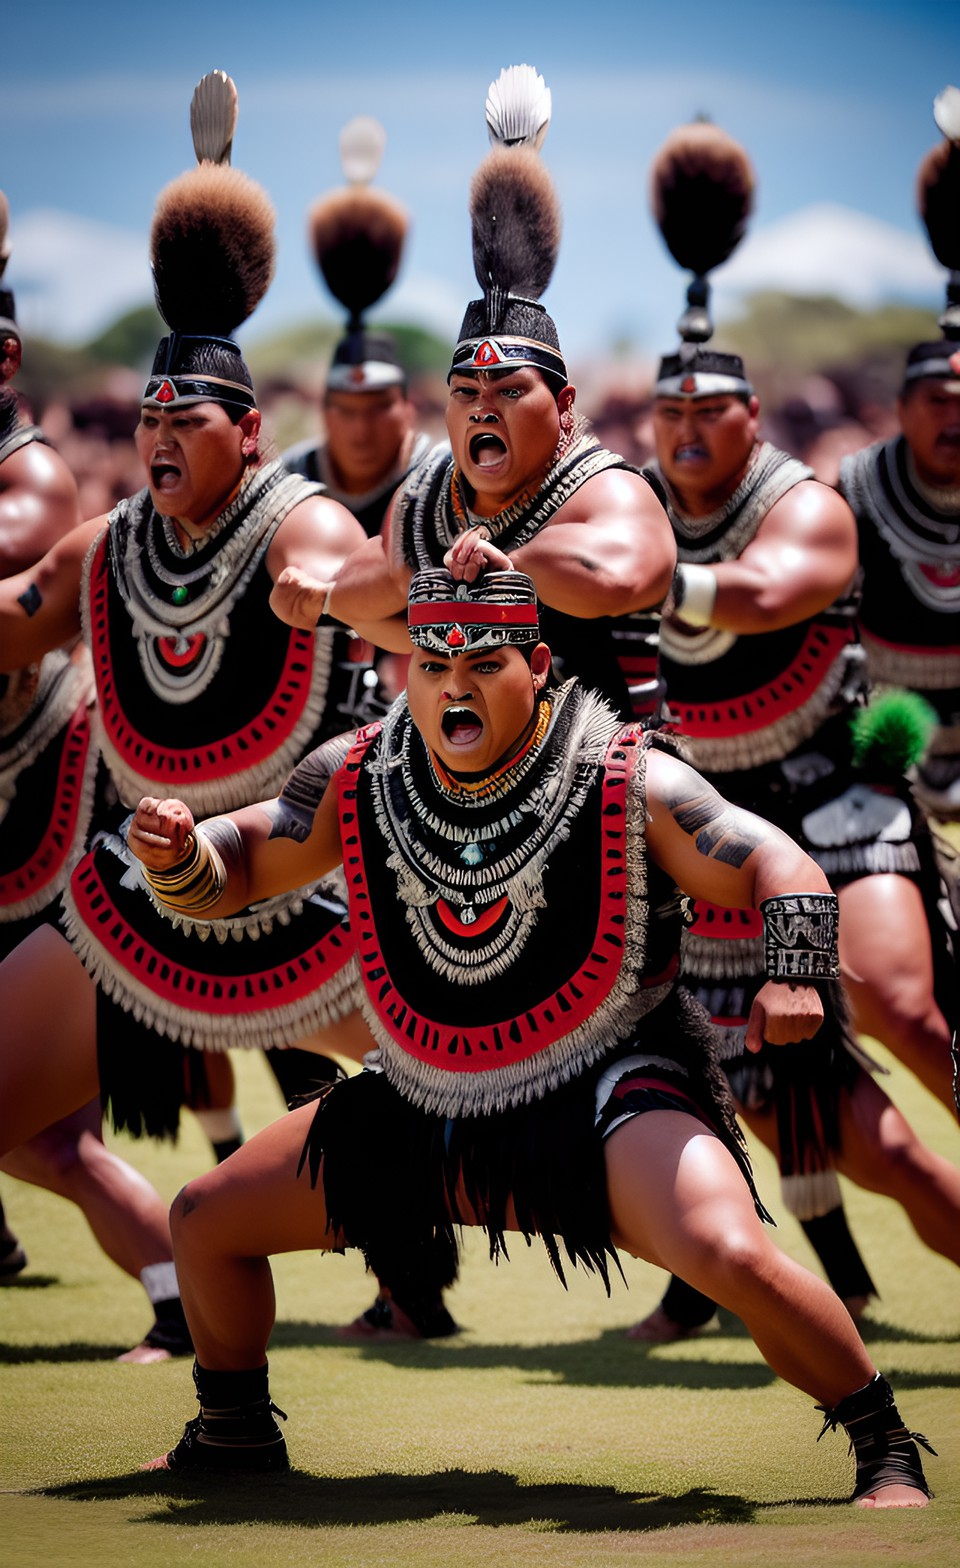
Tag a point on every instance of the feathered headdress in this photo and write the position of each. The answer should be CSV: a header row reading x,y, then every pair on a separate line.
x,y
357,235
515,218
938,201
212,251
701,195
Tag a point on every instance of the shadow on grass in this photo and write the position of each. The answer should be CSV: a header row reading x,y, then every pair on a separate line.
x,y
873,1328
61,1355
32,1281
489,1497
606,1361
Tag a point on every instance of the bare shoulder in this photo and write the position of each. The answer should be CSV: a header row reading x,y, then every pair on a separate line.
x,y
74,544
617,492
38,503
814,511
321,516
669,779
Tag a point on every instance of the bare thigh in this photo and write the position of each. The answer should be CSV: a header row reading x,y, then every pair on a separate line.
x,y
255,1205
48,1054
677,1196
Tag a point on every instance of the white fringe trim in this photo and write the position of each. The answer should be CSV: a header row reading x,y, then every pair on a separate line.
x,y
74,691
260,782
440,1091
753,748
282,1025
933,670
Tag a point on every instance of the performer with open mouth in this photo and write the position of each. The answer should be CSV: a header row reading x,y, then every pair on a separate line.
x,y
514,858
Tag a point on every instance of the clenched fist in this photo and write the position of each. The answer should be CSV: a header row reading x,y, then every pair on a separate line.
x,y
472,553
298,599
159,832
783,1014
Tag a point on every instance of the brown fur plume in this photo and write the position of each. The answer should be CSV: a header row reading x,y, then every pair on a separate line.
x,y
516,222
701,193
357,236
212,248
938,201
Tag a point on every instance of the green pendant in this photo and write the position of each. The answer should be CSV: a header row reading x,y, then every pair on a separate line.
x,y
179,595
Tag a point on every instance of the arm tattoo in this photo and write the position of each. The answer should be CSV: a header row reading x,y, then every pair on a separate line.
x,y
287,821
719,829
31,599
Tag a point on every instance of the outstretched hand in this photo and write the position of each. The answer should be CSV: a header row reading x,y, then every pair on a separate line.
x,y
783,1014
159,832
298,599
472,553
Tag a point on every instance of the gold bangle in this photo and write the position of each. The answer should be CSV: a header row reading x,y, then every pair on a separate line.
x,y
195,883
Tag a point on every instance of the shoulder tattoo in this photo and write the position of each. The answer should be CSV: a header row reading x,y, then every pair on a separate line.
x,y
720,831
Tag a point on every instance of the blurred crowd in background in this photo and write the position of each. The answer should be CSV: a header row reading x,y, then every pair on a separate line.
x,y
827,377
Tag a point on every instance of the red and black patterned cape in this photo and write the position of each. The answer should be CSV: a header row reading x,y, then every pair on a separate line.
x,y
510,950
205,695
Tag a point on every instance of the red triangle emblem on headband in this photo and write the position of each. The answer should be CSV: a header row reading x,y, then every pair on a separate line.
x,y
486,354
166,392
688,384
456,637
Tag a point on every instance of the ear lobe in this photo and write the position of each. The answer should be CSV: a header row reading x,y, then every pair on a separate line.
x,y
540,665
250,426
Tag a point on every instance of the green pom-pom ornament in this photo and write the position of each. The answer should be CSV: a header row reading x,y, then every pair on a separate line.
x,y
893,731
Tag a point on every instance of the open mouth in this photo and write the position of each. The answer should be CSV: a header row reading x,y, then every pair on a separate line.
x,y
486,449
164,476
690,454
461,727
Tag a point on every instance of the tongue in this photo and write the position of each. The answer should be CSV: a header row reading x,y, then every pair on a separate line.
x,y
487,451
464,732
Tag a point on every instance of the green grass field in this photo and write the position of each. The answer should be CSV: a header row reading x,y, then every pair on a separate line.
x,y
539,1436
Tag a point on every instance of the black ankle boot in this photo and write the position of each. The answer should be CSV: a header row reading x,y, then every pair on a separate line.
x,y
886,1452
235,1429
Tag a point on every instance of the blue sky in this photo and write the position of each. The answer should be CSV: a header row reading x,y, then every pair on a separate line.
x,y
832,101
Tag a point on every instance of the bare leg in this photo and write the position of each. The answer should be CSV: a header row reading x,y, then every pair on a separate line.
x,y
684,1313
48,1065
126,1215
846,1263
297,1072
888,973
229,1220
703,1226
882,1153
225,1225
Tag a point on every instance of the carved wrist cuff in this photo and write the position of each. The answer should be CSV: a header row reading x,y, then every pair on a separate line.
x,y
800,933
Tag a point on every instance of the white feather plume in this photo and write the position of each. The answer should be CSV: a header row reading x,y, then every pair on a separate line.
x,y
213,117
361,147
946,112
518,108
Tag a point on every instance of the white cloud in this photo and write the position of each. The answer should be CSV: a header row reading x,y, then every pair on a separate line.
x,y
72,277
830,249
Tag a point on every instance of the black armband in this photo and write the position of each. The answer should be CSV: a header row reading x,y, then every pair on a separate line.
x,y
800,932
